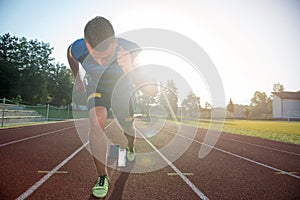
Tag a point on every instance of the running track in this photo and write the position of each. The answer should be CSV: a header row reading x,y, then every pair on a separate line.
x,y
51,162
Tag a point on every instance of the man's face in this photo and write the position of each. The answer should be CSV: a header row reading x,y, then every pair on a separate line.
x,y
102,57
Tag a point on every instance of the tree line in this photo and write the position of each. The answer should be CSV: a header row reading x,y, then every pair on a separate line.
x,y
29,74
261,105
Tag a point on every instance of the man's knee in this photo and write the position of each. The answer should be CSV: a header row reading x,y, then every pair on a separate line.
x,y
98,116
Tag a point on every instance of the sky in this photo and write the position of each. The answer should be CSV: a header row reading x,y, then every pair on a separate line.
x,y
253,44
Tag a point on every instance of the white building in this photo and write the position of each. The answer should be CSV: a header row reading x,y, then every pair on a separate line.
x,y
286,105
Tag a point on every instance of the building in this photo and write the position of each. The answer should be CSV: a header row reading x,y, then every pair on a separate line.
x,y
286,105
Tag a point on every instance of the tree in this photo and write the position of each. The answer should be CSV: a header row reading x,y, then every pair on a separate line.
x,y
28,71
168,98
7,48
8,76
208,106
230,107
142,103
246,112
34,66
191,105
60,80
277,87
207,110
260,105
259,98
9,73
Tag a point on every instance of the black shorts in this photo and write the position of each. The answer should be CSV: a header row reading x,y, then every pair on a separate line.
x,y
122,111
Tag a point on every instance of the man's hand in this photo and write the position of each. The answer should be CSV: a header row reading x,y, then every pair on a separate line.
x,y
124,59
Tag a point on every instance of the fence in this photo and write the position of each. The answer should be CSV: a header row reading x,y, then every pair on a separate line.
x,y
14,112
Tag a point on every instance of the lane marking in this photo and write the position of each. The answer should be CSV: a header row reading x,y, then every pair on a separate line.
x,y
36,136
175,174
35,186
182,176
241,157
57,172
289,172
257,145
47,176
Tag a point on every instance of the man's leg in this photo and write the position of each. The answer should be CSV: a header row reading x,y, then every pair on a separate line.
x,y
126,120
98,117
130,134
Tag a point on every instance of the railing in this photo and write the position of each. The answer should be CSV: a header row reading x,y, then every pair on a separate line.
x,y
46,112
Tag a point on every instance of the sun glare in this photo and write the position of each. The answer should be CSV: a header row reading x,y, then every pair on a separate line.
x,y
185,70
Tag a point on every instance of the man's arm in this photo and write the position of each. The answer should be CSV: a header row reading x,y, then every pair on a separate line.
x,y
74,65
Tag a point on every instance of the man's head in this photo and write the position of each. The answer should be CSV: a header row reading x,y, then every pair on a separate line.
x,y
100,40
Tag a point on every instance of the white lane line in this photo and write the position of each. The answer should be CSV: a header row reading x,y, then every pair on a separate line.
x,y
238,156
36,136
182,176
257,145
46,172
47,176
53,171
264,147
186,174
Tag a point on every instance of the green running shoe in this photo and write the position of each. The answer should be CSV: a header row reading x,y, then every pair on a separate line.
x,y
130,154
101,188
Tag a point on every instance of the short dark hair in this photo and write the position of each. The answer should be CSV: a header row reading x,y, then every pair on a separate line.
x,y
97,31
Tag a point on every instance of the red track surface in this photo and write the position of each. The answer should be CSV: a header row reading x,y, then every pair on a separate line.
x,y
238,168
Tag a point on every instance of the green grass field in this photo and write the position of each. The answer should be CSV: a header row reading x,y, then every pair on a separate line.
x,y
62,114
283,131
